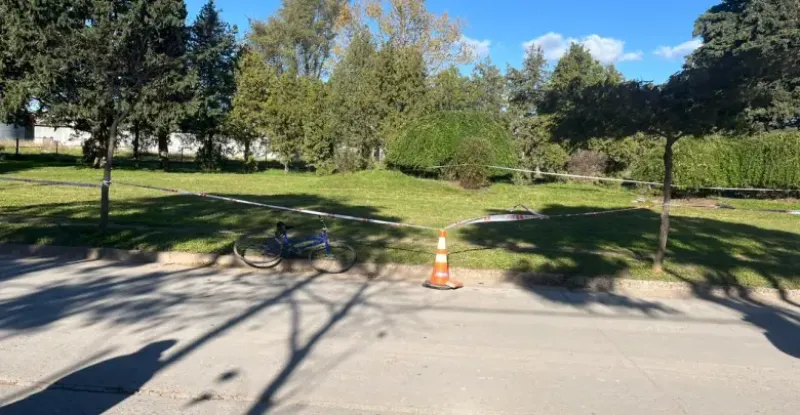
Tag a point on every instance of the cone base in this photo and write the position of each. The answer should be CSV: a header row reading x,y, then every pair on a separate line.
x,y
450,285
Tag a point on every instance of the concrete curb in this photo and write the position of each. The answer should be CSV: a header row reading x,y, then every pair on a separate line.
x,y
413,273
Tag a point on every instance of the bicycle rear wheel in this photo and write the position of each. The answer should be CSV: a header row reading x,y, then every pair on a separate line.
x,y
337,259
259,250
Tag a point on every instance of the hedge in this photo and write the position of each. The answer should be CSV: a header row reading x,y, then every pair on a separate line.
x,y
770,160
434,140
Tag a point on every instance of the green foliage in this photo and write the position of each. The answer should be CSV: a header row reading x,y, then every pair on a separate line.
x,y
355,101
534,143
471,156
621,153
298,39
347,160
764,161
213,54
402,85
434,140
747,71
587,163
250,165
526,86
318,140
488,85
283,114
449,91
209,157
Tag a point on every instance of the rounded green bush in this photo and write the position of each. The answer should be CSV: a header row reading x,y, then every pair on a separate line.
x,y
435,139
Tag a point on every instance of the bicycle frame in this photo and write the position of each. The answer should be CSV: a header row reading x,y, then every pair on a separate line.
x,y
297,247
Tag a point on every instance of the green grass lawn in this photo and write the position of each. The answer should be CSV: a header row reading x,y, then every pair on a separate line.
x,y
717,246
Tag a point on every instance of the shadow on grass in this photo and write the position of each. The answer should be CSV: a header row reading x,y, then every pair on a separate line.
x,y
177,164
176,222
595,251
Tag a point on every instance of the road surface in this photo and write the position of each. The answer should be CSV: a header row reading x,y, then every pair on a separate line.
x,y
96,337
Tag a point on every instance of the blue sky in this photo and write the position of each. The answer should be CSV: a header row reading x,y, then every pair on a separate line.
x,y
645,39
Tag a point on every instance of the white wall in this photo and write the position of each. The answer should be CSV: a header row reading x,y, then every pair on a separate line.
x,y
178,142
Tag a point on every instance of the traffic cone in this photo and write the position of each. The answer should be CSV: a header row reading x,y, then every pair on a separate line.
x,y
440,278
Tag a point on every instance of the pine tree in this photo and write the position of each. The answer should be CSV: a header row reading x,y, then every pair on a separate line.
x,y
100,57
355,100
488,86
525,87
213,54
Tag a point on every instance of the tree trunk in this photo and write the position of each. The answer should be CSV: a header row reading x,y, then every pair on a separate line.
x,y
663,234
16,153
163,149
246,150
105,203
286,167
136,145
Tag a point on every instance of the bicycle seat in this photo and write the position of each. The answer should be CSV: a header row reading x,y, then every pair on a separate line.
x,y
282,227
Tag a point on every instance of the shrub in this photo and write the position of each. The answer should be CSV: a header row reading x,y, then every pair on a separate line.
x,y
209,157
587,163
434,140
250,165
347,160
769,160
621,153
470,159
549,157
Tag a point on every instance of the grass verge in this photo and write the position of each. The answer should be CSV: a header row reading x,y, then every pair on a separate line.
x,y
724,247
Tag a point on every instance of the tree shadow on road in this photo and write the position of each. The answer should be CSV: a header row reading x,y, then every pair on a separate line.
x,y
149,302
596,251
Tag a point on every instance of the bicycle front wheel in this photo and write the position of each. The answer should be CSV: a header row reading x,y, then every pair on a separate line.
x,y
259,250
335,259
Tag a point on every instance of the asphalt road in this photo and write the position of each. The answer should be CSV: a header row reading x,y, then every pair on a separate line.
x,y
92,337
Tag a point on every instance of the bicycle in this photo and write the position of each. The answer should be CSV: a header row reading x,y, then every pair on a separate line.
x,y
260,250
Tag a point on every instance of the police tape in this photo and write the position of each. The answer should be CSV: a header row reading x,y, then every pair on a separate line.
x,y
615,180
570,176
50,182
729,207
531,215
283,208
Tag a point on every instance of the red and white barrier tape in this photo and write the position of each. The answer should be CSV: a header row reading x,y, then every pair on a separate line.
x,y
305,211
571,176
512,217
729,207
50,182
615,180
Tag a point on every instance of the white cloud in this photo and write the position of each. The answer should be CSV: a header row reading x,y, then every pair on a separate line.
x,y
632,56
680,51
480,48
604,49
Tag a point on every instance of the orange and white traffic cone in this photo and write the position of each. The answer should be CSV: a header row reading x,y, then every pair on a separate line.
x,y
440,278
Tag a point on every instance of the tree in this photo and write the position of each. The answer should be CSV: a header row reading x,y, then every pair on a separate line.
x,y
488,86
525,87
101,57
355,100
283,115
245,122
23,37
161,110
318,138
403,24
213,53
450,91
300,37
402,86
749,63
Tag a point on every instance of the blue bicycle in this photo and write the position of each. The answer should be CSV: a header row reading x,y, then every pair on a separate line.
x,y
263,250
